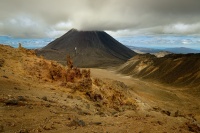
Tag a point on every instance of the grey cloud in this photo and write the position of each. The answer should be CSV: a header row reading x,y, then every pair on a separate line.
x,y
53,18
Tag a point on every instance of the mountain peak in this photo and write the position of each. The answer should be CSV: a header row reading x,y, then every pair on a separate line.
x,y
88,49
73,29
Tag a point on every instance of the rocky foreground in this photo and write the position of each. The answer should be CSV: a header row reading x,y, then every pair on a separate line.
x,y
38,95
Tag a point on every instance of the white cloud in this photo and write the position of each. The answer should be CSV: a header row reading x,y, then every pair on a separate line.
x,y
23,26
64,25
54,33
182,28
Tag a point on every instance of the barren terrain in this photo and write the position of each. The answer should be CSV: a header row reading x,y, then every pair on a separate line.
x,y
37,95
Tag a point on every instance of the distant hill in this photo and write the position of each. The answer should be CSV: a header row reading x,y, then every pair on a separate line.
x,y
142,50
176,50
87,49
173,69
182,50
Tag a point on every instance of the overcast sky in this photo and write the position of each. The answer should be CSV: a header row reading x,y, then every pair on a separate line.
x,y
52,18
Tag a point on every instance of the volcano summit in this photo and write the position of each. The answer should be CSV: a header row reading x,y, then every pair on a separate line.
x,y
87,49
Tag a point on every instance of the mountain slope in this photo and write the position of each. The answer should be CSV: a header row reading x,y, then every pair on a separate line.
x,y
87,49
173,69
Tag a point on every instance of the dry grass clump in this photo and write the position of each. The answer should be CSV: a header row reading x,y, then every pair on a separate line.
x,y
81,79
1,62
56,72
111,94
70,77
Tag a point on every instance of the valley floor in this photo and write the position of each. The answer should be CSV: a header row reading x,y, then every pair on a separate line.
x,y
156,94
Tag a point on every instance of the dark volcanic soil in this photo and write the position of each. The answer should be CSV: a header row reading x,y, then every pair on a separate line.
x,y
87,49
